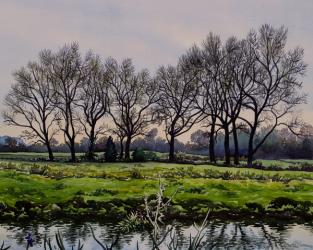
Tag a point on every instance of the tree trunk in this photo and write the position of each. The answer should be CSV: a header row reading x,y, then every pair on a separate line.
x,y
236,144
226,145
212,143
72,149
249,160
91,151
171,156
91,148
51,157
121,149
127,148
250,148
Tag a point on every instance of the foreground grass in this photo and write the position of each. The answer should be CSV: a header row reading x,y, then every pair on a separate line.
x,y
119,188
232,193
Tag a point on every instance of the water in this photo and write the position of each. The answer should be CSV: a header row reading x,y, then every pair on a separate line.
x,y
218,235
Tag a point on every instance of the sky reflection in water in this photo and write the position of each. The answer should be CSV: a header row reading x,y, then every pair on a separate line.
x,y
218,235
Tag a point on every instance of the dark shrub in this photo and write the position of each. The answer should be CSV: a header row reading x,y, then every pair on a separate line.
x,y
283,201
306,148
89,156
110,151
139,155
254,206
23,205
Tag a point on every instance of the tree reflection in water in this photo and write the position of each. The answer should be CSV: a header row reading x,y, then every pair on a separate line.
x,y
218,235
237,235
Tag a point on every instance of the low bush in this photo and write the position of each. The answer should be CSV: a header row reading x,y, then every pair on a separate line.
x,y
139,155
110,151
254,206
185,159
151,156
283,201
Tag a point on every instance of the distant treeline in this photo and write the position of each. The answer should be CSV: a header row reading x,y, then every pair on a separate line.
x,y
238,88
280,144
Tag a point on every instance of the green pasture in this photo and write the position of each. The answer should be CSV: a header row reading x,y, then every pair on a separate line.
x,y
49,183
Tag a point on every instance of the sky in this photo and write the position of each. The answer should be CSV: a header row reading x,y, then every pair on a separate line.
x,y
152,33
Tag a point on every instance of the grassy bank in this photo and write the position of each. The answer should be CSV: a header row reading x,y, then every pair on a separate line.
x,y
116,189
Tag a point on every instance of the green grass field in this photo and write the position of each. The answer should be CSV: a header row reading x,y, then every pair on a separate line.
x,y
28,156
200,186
25,156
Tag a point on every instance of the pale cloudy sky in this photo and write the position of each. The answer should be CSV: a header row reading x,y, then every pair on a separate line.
x,y
151,32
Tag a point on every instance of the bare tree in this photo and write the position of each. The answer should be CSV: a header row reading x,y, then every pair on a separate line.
x,y
121,135
231,83
29,104
237,68
132,95
66,70
208,62
93,100
178,90
273,92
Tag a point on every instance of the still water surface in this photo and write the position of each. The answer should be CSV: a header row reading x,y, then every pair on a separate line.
x,y
218,235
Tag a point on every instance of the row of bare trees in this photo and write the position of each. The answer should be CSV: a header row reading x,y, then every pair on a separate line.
x,y
237,85
247,84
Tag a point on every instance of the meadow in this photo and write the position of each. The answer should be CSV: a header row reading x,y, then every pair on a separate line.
x,y
58,189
